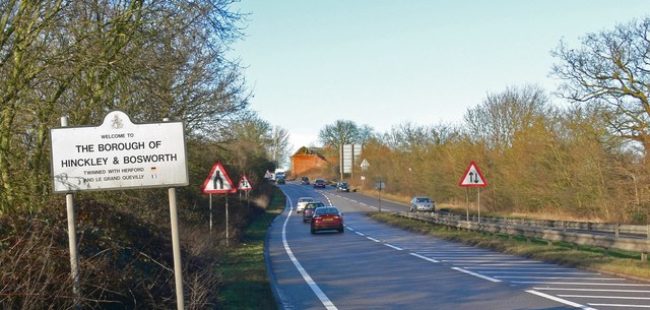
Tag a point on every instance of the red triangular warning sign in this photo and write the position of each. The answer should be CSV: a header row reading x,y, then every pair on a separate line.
x,y
218,181
244,184
473,177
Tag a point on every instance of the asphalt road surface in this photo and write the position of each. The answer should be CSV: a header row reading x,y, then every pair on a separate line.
x,y
375,266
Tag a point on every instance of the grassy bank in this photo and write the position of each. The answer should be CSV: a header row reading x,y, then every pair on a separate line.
x,y
608,261
243,272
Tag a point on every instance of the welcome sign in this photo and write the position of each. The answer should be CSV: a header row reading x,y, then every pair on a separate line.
x,y
118,155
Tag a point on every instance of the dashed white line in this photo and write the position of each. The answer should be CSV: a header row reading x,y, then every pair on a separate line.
x,y
605,297
349,228
476,275
359,233
394,247
580,283
560,300
373,239
588,290
312,284
425,258
619,305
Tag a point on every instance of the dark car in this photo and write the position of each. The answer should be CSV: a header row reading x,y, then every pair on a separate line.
x,y
342,187
308,212
327,218
320,183
304,181
280,181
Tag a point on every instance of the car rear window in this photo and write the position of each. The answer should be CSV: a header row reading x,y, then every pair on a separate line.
x,y
422,199
322,211
305,199
314,205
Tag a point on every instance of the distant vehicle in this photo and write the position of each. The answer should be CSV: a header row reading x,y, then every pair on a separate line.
x,y
308,212
320,183
422,203
302,202
304,181
279,175
327,218
342,187
280,181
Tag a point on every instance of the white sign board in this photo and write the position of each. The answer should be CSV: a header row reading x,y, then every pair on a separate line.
x,y
118,155
350,153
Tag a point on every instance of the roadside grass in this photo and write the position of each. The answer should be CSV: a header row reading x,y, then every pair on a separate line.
x,y
615,262
244,279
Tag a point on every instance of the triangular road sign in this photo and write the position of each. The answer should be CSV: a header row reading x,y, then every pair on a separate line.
x,y
244,184
218,181
473,177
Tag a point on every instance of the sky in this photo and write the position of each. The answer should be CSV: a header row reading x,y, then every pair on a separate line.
x,y
384,63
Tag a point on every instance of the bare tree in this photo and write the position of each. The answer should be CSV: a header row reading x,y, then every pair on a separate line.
x,y
502,115
612,69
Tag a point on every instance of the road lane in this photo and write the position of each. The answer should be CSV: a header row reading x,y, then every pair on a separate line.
x,y
355,272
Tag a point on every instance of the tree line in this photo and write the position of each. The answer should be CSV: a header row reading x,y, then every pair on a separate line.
x,y
588,161
150,59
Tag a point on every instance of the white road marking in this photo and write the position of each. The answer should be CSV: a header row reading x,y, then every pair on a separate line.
x,y
314,287
558,278
588,290
499,272
605,297
394,247
424,257
373,239
580,283
476,275
560,300
349,228
360,234
619,305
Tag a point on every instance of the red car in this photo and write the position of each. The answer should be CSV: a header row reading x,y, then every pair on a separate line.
x,y
327,218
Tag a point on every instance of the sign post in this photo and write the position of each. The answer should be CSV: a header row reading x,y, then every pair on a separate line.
x,y
364,167
72,240
119,154
218,182
474,178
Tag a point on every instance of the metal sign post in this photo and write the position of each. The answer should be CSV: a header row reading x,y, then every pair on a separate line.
x,y
176,247
72,240
227,228
210,215
478,203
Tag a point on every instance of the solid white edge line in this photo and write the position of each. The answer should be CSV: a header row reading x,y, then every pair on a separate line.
x,y
373,239
560,300
314,287
349,228
476,274
394,247
424,257
605,297
360,234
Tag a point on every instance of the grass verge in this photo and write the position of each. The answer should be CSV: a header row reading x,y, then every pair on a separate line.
x,y
245,284
616,262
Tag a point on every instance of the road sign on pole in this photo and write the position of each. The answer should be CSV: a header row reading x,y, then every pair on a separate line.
x,y
218,181
244,184
472,177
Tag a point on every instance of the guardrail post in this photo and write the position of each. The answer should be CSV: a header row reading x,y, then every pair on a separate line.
x,y
644,257
648,231
617,230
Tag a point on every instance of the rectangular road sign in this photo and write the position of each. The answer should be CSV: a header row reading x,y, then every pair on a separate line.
x,y
118,154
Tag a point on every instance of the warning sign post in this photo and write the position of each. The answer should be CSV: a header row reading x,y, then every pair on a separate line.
x,y
218,182
473,178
